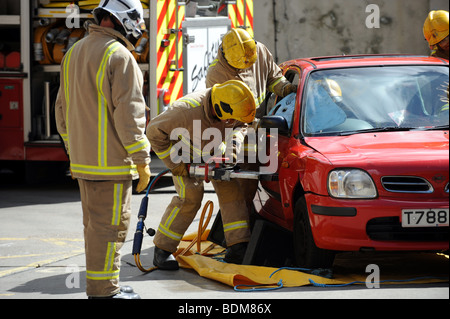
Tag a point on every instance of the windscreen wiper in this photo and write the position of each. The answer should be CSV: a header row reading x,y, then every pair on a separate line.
x,y
436,128
378,129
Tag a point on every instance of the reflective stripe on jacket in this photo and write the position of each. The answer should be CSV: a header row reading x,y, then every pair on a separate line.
x,y
183,128
100,109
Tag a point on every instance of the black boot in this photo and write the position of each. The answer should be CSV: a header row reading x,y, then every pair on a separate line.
x,y
126,292
235,254
164,260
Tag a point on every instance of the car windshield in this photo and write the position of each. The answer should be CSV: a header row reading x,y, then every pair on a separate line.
x,y
357,100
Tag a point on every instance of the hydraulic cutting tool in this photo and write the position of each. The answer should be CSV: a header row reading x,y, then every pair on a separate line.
x,y
215,170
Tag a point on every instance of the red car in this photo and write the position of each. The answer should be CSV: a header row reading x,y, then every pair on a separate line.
x,y
363,156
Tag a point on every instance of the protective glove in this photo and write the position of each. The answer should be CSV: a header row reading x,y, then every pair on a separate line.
x,y
288,89
180,170
144,176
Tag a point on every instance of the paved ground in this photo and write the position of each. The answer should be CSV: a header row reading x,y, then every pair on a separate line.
x,y
42,254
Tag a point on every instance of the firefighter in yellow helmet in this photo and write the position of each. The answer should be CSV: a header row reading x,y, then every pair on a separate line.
x,y
241,58
435,30
178,138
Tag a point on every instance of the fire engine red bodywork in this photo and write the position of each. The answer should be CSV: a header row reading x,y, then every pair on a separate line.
x,y
304,165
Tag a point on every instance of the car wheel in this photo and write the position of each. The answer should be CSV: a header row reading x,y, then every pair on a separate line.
x,y
306,253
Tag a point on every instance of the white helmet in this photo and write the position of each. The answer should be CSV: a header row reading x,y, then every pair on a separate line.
x,y
129,13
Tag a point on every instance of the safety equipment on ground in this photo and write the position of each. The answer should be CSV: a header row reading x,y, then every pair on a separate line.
x,y
217,170
129,13
233,100
144,177
239,49
435,28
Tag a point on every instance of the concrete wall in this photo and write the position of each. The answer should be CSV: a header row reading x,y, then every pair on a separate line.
x,y
305,28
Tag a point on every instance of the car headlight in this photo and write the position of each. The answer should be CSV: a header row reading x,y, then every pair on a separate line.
x,y
351,183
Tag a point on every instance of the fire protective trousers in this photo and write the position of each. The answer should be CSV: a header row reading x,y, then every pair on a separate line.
x,y
183,208
106,215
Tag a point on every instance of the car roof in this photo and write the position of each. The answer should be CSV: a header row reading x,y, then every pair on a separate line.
x,y
326,62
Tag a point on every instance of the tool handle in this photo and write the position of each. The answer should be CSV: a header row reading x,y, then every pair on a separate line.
x,y
137,242
143,208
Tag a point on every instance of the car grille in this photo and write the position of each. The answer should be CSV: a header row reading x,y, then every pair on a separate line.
x,y
390,228
406,184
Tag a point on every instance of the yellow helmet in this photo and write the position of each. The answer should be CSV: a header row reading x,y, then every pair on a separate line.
x,y
333,89
239,49
233,100
435,28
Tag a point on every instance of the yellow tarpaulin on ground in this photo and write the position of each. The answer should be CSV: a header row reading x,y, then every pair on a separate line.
x,y
242,275
349,268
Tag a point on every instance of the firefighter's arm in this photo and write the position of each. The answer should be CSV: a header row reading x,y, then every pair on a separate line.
x,y
129,107
129,114
159,137
61,118
214,74
234,145
276,82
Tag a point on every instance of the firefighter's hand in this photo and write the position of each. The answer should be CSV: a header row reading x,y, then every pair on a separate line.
x,y
180,170
144,177
288,89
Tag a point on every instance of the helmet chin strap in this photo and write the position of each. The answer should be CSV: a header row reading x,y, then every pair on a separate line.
x,y
117,25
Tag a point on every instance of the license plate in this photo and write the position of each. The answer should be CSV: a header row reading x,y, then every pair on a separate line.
x,y
435,217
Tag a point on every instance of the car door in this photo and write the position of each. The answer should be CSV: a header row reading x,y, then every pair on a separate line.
x,y
269,198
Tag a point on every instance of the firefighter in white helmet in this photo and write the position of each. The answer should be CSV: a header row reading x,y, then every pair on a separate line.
x,y
435,30
174,131
100,113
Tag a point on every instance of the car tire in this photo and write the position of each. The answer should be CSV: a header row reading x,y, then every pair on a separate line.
x,y
306,253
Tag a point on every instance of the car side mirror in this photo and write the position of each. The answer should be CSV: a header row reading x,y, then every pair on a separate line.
x,y
275,121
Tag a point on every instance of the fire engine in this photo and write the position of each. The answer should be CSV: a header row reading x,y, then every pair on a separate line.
x,y
174,54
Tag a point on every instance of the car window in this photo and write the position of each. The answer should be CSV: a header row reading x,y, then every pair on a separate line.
x,y
358,99
284,107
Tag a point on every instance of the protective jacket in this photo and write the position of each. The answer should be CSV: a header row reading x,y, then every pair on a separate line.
x,y
180,133
100,109
188,127
439,53
264,75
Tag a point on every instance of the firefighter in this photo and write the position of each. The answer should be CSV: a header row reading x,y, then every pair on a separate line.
x,y
210,113
242,58
100,113
435,30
